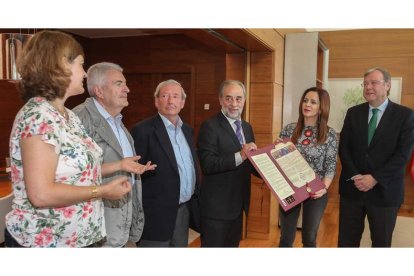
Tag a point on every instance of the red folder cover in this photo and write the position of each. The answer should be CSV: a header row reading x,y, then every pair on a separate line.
x,y
289,191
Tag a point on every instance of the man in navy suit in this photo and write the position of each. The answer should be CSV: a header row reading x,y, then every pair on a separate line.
x,y
375,144
166,192
223,141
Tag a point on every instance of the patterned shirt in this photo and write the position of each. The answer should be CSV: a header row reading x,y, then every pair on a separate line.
x,y
79,164
321,157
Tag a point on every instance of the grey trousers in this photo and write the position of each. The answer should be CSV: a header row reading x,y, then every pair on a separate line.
x,y
180,236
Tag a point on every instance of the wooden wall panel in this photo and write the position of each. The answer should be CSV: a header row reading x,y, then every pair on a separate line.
x,y
277,109
205,79
262,139
262,67
370,43
261,109
169,54
9,106
259,212
408,100
355,68
410,78
266,98
236,66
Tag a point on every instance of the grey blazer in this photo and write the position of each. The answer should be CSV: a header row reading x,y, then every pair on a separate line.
x,y
124,218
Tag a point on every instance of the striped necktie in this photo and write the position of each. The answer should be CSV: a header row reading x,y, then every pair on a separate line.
x,y
238,131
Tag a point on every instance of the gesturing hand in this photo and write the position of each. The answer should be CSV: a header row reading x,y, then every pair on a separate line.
x,y
116,189
130,164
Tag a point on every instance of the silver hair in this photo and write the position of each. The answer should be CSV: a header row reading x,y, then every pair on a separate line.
x,y
97,75
164,83
226,83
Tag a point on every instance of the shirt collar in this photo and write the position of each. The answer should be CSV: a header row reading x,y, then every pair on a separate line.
x,y
381,108
105,113
231,120
167,122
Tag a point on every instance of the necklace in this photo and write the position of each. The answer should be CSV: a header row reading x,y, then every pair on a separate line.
x,y
64,113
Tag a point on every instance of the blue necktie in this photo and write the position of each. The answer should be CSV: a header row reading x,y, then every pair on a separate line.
x,y
372,125
238,131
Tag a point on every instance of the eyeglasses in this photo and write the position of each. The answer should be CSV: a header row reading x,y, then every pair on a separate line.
x,y
308,133
373,83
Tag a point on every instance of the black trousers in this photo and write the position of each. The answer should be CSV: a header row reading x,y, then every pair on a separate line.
x,y
9,241
352,215
221,233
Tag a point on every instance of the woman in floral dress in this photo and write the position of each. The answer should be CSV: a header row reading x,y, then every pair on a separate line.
x,y
56,166
318,144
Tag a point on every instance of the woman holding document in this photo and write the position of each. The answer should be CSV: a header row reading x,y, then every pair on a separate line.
x,y
318,144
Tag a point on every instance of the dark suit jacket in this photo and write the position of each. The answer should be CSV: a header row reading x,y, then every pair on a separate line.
x,y
385,158
225,188
161,187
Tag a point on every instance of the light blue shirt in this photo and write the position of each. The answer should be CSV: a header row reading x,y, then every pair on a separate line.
x,y
184,158
115,124
381,110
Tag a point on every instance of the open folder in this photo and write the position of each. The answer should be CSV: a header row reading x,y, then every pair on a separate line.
x,y
286,173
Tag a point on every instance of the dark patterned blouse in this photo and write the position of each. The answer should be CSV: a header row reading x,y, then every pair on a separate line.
x,y
321,157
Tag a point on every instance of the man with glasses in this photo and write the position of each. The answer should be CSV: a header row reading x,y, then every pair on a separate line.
x,y
375,145
223,141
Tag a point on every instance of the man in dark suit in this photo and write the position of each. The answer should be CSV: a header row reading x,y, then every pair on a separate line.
x,y
223,141
375,144
168,142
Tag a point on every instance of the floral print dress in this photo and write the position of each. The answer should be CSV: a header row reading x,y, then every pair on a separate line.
x,y
79,164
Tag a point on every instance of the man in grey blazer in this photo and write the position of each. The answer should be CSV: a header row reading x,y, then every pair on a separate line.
x,y
102,119
375,145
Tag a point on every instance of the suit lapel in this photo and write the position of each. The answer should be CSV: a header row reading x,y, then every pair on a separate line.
x,y
164,140
362,124
103,128
224,123
385,121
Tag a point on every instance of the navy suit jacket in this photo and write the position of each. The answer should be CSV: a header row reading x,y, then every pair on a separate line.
x,y
385,158
225,188
161,187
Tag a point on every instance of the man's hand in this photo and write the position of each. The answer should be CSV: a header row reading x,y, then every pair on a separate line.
x,y
246,148
364,182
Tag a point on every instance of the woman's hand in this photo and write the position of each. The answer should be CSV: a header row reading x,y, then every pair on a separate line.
x,y
278,140
130,164
319,193
115,189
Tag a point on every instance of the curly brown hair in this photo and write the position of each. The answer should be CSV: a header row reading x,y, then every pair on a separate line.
x,y
42,65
